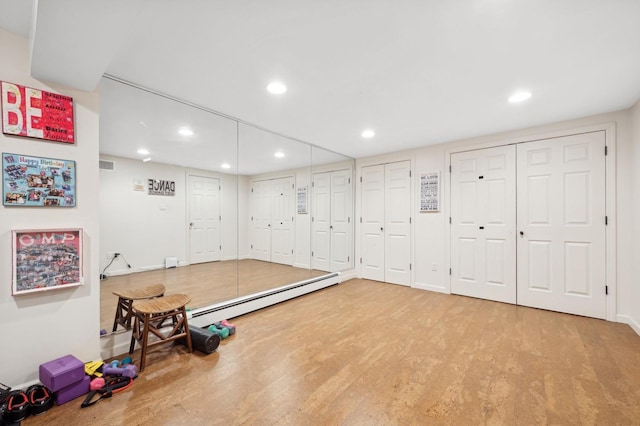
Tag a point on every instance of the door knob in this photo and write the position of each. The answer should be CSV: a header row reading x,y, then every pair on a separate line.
x,y
521,233
191,224
381,229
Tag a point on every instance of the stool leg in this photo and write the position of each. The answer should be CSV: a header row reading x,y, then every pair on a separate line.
x,y
135,334
145,340
186,329
118,314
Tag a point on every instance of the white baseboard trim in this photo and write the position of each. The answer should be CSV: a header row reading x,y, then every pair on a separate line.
x,y
626,319
349,275
116,344
430,287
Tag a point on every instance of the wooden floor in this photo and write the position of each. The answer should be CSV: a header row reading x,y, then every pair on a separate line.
x,y
367,353
204,283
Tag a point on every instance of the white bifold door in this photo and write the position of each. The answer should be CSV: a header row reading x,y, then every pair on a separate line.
x,y
331,221
483,224
204,219
272,215
386,222
537,208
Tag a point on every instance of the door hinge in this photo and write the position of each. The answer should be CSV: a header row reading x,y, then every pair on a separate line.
x,y
409,266
251,245
313,219
291,251
606,290
360,219
606,150
409,220
360,179
449,168
449,219
293,186
349,180
348,258
251,189
220,188
409,173
360,260
313,184
606,220
312,254
449,271
349,219
220,217
221,247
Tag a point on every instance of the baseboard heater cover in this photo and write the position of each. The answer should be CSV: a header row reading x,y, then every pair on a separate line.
x,y
261,295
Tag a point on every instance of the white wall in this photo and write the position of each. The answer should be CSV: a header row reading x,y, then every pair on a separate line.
x,y
634,274
37,328
430,237
145,228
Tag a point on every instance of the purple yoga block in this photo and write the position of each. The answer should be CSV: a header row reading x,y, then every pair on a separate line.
x,y
61,372
72,391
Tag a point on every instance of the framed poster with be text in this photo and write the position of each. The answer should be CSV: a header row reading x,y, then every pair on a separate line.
x,y
38,182
35,113
46,259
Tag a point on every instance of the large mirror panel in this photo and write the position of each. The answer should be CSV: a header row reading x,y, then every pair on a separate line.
x,y
212,207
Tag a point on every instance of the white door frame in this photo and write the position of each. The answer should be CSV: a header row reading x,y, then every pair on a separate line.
x,y
610,200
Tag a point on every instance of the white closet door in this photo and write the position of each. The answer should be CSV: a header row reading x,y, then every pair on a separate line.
x,y
340,220
261,220
561,224
397,228
321,251
282,221
373,243
483,221
204,220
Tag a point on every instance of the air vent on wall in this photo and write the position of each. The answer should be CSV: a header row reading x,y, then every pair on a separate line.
x,y
107,165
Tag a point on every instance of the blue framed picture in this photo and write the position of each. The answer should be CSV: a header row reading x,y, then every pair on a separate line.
x,y
30,181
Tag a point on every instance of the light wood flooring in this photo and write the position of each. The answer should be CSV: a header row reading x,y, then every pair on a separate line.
x,y
205,283
367,353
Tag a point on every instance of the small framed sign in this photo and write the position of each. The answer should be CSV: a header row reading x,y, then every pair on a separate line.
x,y
430,192
35,113
46,259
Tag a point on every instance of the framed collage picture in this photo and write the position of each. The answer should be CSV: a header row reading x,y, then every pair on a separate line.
x,y
46,259
30,181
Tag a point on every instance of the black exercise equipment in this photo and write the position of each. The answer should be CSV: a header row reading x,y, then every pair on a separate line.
x,y
203,340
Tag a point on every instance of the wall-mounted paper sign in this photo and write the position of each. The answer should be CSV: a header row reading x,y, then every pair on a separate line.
x,y
430,192
302,199
138,184
34,113
161,187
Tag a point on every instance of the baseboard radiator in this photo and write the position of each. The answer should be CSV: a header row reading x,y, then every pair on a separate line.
x,y
117,343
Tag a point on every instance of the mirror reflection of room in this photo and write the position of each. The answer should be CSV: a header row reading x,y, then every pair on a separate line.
x,y
212,207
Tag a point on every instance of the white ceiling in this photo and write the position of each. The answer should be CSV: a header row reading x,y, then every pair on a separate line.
x,y
417,72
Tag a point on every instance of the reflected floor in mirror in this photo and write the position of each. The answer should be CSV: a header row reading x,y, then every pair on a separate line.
x,y
368,353
205,283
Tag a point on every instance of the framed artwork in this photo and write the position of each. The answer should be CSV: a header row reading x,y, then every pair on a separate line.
x,y
36,113
29,181
46,259
430,192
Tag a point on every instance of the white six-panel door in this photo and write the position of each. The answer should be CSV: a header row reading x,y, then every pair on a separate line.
x,y
386,222
373,222
321,222
483,221
204,219
561,224
398,223
282,221
261,220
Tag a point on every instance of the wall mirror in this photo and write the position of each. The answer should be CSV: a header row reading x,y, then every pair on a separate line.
x,y
237,208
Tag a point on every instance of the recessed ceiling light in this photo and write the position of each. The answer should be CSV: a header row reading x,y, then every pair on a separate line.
x,y
276,88
146,160
279,154
226,166
143,151
519,97
368,134
185,131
